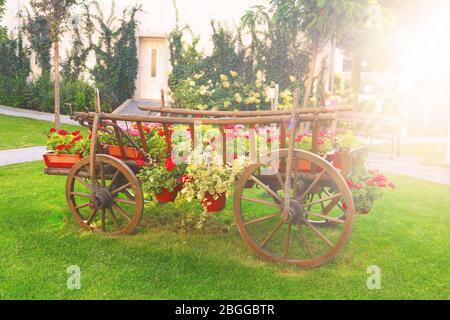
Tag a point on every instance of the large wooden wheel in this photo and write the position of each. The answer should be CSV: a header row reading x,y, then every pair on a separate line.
x,y
112,203
320,216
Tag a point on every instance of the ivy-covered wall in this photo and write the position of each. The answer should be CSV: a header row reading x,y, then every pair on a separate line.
x,y
114,50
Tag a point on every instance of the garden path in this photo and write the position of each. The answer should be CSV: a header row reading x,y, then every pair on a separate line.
x,y
31,114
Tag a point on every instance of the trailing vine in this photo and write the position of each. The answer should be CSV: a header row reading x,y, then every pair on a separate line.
x,y
37,31
116,57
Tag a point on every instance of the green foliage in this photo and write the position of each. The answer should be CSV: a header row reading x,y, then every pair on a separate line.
x,y
56,13
37,30
157,177
210,178
348,140
185,59
14,70
116,56
3,30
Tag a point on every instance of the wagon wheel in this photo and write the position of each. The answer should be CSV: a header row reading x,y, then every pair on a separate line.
x,y
115,208
295,237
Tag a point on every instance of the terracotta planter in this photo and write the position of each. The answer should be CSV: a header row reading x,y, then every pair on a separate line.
x,y
131,153
364,210
60,160
166,196
212,205
337,160
303,165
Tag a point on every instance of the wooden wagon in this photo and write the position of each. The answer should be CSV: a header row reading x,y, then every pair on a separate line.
x,y
284,213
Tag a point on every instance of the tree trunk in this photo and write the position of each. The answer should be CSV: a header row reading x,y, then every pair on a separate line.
x,y
56,83
310,79
356,73
309,82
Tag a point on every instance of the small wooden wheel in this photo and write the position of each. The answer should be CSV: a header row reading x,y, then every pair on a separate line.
x,y
111,204
313,230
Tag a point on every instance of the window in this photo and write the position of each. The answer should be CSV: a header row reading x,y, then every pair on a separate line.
x,y
154,63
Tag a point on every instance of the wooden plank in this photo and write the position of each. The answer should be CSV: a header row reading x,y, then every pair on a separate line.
x,y
142,136
206,121
119,141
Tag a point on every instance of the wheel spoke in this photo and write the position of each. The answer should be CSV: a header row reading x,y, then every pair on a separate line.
x,y
266,203
305,240
280,180
121,211
102,174
121,188
330,206
288,240
113,180
114,219
129,195
81,194
319,234
311,186
91,216
267,188
262,219
83,182
335,196
340,221
271,234
125,201
84,205
338,204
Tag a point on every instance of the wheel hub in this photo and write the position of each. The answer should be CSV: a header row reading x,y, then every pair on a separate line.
x,y
102,198
294,214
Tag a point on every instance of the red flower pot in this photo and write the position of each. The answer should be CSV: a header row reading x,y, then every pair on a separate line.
x,y
166,196
131,153
364,210
212,205
303,165
337,160
60,160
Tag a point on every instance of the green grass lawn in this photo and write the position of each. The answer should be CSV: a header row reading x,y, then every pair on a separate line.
x,y
432,154
16,132
406,235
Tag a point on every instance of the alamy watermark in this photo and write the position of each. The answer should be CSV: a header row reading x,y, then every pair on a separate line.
x,y
374,279
74,278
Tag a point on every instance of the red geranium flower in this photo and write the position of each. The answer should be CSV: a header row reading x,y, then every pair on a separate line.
x,y
140,163
60,147
68,146
75,133
185,178
169,164
358,185
381,184
161,133
350,183
344,205
52,130
63,132
77,138
370,182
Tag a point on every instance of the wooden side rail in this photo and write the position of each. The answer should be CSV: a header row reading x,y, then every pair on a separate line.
x,y
80,116
238,114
